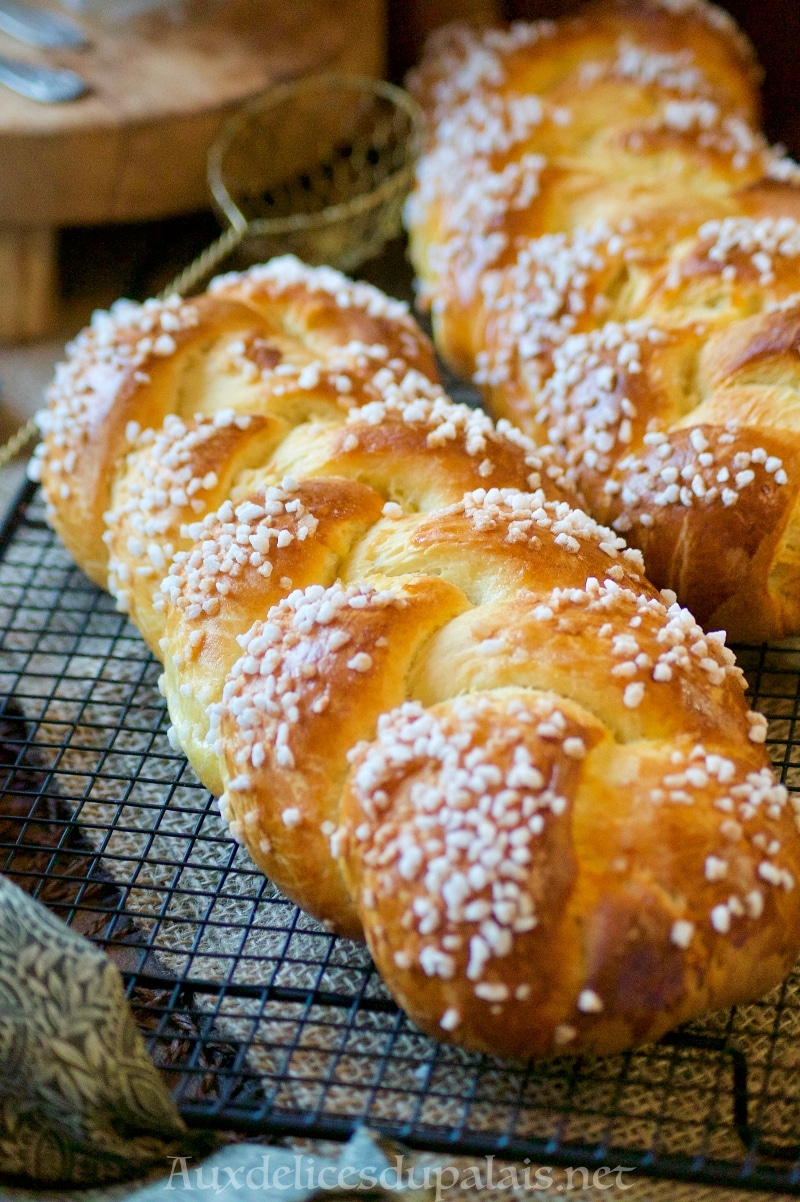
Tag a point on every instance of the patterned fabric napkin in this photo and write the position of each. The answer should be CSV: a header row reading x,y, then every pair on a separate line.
x,y
82,1103
80,1099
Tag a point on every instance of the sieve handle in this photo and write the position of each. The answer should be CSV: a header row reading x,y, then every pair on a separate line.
x,y
205,262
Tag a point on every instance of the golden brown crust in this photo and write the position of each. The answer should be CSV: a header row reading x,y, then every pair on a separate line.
x,y
360,660
211,594
612,250
271,346
442,707
123,375
532,864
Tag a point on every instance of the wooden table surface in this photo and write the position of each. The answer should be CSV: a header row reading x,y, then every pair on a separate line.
x,y
135,147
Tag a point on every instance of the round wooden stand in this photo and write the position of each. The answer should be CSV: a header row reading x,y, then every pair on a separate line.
x,y
135,148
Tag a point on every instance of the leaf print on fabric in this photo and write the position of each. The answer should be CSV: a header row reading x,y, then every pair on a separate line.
x,y
80,1099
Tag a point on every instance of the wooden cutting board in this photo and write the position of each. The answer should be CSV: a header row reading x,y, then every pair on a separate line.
x,y
135,147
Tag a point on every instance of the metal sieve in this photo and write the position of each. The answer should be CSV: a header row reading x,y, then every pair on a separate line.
x,y
319,168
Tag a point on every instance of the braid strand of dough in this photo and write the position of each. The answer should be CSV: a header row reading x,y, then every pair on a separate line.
x,y
441,706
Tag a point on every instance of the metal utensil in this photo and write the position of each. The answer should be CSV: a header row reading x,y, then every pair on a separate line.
x,y
39,28
48,85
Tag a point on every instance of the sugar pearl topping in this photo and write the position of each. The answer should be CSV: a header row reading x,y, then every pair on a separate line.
x,y
762,242
538,299
456,801
475,239
339,373
116,348
550,317
651,641
525,516
153,503
581,404
287,272
286,662
462,62
479,800
459,820
415,400
487,125
648,68
234,540
115,351
711,128
704,466
783,168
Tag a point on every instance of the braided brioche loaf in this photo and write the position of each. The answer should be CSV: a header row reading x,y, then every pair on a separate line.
x,y
442,707
612,252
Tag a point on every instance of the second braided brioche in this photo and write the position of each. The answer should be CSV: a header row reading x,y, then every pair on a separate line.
x,y
612,252
442,707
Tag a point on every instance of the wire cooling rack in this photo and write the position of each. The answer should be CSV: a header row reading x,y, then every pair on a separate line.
x,y
260,1019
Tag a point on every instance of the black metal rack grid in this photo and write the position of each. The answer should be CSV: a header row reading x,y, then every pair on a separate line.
x,y
260,1019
